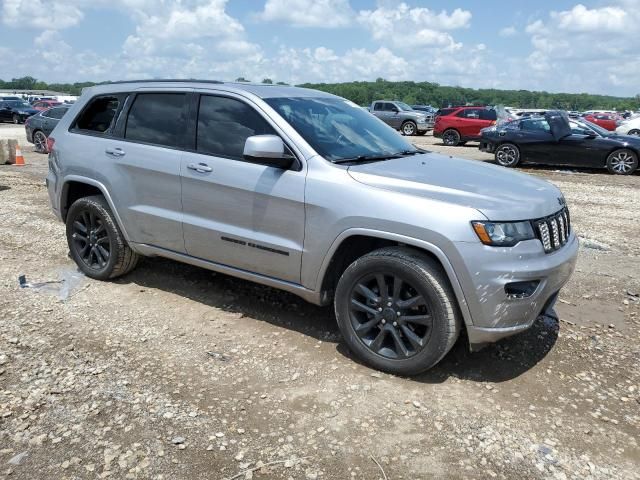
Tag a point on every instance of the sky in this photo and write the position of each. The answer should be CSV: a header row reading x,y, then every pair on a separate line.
x,y
552,45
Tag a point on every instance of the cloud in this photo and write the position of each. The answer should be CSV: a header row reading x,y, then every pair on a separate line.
x,y
308,13
406,27
508,32
51,14
581,19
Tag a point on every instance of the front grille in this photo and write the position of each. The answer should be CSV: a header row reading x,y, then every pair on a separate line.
x,y
553,231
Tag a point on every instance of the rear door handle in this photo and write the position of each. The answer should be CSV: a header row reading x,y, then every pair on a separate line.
x,y
200,167
115,152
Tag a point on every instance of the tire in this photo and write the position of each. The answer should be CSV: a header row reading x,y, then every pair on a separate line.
x,y
16,119
451,137
93,213
40,141
507,155
409,128
635,132
622,162
407,343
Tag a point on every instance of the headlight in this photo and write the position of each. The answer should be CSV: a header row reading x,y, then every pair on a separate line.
x,y
503,234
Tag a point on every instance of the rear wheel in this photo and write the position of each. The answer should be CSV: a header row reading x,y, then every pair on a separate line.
x,y
40,141
396,311
409,128
95,242
507,155
451,138
635,132
622,162
16,119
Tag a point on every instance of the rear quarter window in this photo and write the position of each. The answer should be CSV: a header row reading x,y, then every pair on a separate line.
x,y
99,114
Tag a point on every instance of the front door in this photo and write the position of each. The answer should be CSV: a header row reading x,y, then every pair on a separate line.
x,y
238,213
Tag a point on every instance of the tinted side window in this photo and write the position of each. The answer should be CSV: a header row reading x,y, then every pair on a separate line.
x,y
224,125
390,107
488,114
537,124
157,118
443,112
98,115
378,106
56,113
469,113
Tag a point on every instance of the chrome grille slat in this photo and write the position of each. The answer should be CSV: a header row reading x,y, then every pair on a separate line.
x,y
554,231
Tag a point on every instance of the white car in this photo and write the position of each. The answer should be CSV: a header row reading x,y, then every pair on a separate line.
x,y
630,127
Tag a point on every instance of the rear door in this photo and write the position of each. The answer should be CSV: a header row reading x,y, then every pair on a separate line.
x,y
238,213
468,122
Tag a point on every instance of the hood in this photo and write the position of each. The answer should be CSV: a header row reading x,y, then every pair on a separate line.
x,y
498,193
559,123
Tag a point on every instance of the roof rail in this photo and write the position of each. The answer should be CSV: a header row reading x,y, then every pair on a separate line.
x,y
165,80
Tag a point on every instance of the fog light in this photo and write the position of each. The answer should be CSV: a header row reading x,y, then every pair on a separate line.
x,y
521,289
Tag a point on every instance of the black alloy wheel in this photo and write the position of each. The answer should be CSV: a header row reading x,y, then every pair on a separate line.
x,y
389,316
91,240
451,138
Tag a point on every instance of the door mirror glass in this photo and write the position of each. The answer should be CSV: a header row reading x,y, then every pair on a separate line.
x,y
267,150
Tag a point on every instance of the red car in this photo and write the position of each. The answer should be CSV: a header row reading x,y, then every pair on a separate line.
x,y
604,120
458,125
45,104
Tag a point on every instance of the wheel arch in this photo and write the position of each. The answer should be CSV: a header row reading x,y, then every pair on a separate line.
x,y
354,243
75,187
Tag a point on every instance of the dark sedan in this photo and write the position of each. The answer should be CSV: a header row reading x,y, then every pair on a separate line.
x,y
39,127
554,139
16,111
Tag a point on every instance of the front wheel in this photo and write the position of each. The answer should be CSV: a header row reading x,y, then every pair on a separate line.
x,y
16,119
451,138
622,162
409,128
508,155
396,311
635,132
95,241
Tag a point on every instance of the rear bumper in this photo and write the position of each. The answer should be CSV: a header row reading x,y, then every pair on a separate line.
x,y
29,134
486,146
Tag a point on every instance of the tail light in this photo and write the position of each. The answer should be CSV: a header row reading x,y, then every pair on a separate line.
x,y
50,142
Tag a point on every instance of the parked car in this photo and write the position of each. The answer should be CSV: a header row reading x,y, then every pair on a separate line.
x,y
39,126
16,111
401,116
607,121
556,140
457,126
45,104
2,99
630,127
306,192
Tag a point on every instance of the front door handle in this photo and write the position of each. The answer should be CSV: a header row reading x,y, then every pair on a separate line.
x,y
200,167
115,152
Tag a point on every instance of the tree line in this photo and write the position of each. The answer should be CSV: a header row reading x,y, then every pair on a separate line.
x,y
424,93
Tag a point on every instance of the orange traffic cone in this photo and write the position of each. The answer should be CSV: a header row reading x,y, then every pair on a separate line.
x,y
19,157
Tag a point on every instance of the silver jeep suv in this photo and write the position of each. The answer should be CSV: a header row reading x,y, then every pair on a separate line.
x,y
306,192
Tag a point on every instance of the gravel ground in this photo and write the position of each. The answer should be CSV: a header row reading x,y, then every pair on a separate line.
x,y
174,372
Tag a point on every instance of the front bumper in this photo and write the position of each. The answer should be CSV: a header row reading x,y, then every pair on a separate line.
x,y
486,272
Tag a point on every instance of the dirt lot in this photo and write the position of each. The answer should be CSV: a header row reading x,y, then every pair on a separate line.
x,y
178,373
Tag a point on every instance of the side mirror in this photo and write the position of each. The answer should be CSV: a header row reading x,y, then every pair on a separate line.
x,y
267,150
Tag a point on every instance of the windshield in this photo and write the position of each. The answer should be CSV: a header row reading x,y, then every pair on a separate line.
x,y
338,129
404,107
602,131
17,104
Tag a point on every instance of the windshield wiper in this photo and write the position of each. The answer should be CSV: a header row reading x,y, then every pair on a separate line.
x,y
367,158
375,158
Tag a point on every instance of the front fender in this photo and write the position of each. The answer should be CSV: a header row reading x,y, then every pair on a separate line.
x,y
409,241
